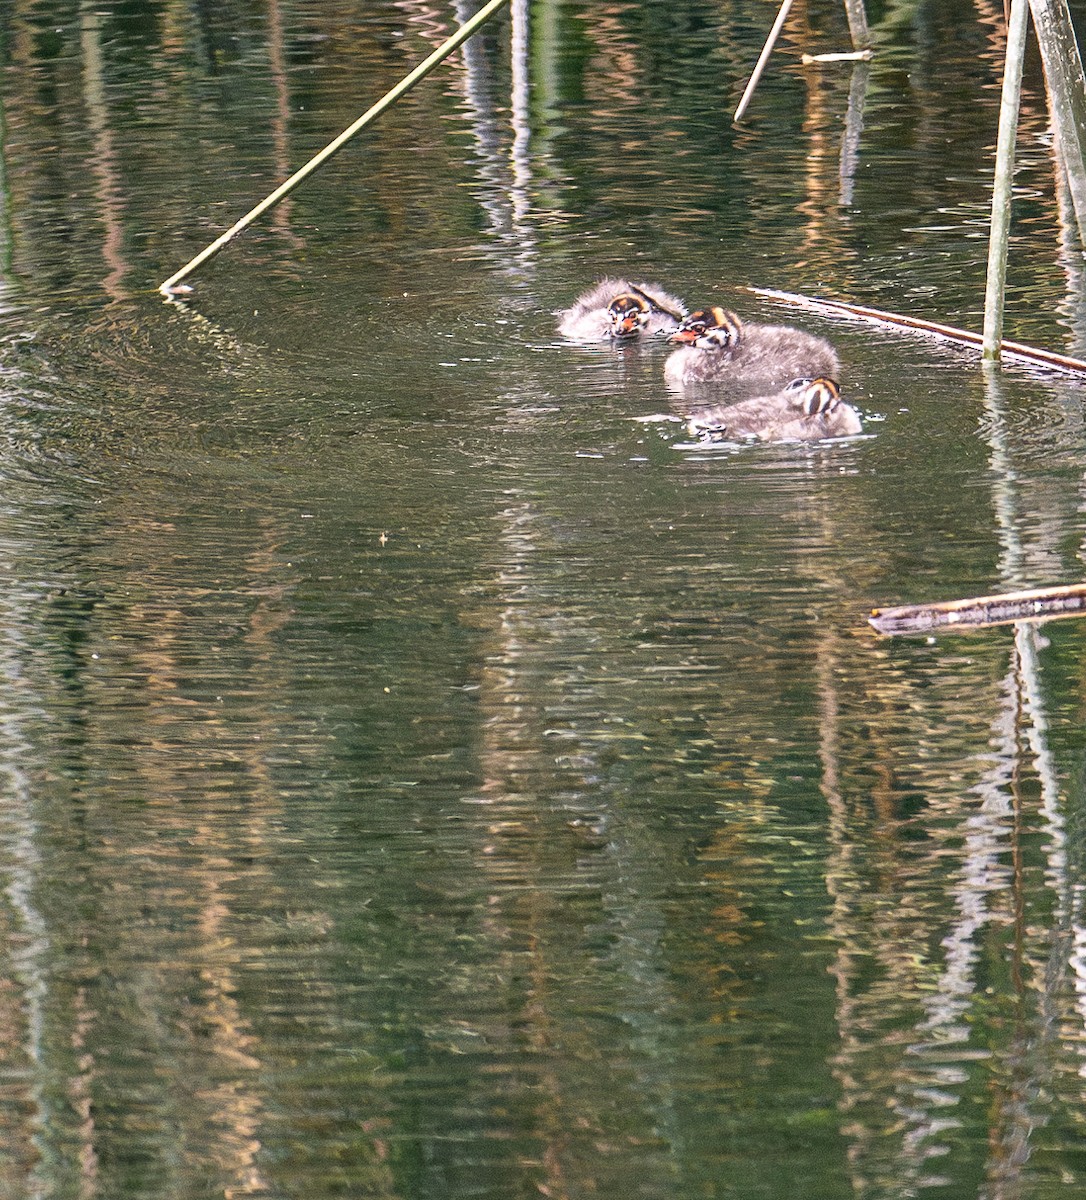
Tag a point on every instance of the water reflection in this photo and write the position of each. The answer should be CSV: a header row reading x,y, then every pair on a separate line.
x,y
420,778
104,156
1003,838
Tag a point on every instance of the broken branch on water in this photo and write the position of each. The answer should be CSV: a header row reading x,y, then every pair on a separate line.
x,y
1039,604
849,56
1011,350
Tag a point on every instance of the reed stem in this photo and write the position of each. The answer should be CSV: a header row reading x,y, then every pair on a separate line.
x,y
996,286
763,58
1066,96
857,24
387,100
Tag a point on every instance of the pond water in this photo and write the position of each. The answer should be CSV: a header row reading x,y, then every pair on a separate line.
x,y
421,778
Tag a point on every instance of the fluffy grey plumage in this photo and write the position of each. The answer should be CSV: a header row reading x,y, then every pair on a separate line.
x,y
716,346
645,309
807,410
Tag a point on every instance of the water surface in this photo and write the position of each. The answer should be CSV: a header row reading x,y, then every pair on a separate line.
x,y
420,777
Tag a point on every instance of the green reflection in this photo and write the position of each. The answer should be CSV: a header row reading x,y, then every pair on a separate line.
x,y
420,777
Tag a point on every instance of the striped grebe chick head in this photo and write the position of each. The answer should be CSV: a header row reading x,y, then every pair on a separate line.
x,y
627,315
814,396
709,329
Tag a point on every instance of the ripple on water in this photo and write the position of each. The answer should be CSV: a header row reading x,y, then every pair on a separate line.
x,y
420,777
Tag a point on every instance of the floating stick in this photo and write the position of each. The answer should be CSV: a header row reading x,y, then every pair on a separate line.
x,y
387,100
1014,350
849,56
763,58
1036,605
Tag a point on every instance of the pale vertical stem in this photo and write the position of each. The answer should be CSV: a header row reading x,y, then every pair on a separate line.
x,y
857,24
763,58
1066,94
996,286
520,112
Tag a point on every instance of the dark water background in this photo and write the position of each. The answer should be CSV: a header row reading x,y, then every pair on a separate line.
x,y
422,780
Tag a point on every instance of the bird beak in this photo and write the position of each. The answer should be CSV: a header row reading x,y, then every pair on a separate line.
x,y
683,336
626,327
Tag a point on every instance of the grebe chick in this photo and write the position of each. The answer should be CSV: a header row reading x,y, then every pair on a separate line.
x,y
807,410
618,310
716,346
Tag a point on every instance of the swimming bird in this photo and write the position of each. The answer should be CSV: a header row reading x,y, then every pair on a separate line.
x,y
716,346
618,310
807,410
